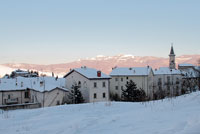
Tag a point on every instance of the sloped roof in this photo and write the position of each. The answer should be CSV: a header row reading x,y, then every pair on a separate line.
x,y
89,73
132,71
35,83
166,71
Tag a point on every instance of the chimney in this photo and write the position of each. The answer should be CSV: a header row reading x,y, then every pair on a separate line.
x,y
98,73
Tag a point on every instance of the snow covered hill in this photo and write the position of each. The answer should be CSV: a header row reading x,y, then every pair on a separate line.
x,y
170,116
106,63
5,70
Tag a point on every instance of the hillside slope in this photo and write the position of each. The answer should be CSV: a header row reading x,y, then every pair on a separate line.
x,y
176,116
106,63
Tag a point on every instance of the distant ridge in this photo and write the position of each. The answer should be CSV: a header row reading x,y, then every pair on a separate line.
x,y
106,63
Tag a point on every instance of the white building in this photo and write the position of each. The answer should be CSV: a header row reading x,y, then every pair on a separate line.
x,y
142,76
167,82
94,85
23,73
47,91
191,75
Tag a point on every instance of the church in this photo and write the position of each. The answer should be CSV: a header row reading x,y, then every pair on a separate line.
x,y
167,80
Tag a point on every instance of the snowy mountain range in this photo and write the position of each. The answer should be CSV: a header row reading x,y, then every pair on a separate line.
x,y
104,63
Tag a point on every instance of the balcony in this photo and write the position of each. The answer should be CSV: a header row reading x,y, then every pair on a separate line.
x,y
11,101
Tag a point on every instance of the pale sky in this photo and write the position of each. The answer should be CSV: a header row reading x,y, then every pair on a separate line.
x,y
60,31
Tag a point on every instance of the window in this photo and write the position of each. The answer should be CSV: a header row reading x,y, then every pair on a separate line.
x,y
79,84
95,95
121,79
104,95
9,96
122,87
104,84
22,84
41,83
177,80
168,79
159,81
116,87
26,94
116,79
95,84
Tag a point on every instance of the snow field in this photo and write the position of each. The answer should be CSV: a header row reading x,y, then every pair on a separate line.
x,y
180,115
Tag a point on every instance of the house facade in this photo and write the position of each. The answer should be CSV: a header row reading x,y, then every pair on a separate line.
x,y
167,82
93,84
45,91
142,76
20,96
56,96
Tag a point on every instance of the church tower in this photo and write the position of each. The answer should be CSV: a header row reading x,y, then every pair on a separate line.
x,y
172,64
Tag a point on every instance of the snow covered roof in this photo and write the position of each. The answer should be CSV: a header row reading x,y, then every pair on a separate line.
x,y
197,68
167,71
89,73
186,65
190,73
132,71
37,83
20,71
61,88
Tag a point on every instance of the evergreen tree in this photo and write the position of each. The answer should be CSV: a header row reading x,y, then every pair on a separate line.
x,y
75,95
131,93
114,97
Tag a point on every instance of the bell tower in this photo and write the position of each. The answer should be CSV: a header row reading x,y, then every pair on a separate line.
x,y
172,64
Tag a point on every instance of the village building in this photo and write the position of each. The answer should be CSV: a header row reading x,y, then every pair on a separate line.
x,y
142,76
40,91
167,82
191,76
93,84
19,96
22,73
